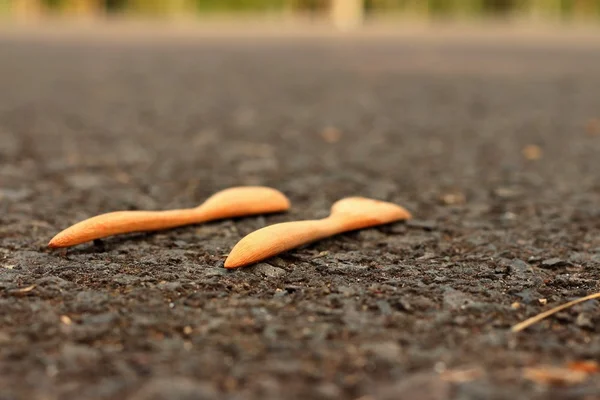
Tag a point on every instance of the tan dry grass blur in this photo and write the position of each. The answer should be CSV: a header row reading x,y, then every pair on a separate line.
x,y
345,20
518,33
345,14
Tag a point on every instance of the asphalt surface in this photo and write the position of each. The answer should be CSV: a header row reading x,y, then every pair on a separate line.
x,y
494,146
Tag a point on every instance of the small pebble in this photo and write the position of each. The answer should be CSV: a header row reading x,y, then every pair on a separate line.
x,y
554,263
505,193
267,270
427,256
384,307
387,351
422,224
520,268
584,321
453,198
509,216
563,316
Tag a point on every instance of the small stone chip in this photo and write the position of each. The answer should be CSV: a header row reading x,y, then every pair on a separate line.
x,y
455,198
584,321
422,224
267,270
554,263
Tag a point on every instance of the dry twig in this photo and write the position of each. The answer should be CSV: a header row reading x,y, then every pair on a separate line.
x,y
528,322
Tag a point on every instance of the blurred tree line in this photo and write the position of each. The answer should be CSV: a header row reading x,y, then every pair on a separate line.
x,y
423,8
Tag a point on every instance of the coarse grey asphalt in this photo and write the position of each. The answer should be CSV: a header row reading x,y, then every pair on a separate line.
x,y
493,145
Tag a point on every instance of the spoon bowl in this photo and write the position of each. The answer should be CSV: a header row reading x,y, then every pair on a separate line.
x,y
368,212
245,200
346,215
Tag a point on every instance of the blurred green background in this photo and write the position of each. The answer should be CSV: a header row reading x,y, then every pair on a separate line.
x,y
458,9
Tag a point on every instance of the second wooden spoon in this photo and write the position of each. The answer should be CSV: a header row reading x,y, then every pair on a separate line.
x,y
346,215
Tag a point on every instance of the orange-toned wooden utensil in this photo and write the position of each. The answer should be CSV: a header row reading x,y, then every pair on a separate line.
x,y
346,215
228,203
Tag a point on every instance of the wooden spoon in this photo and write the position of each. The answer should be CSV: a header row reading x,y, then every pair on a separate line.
x,y
233,202
346,215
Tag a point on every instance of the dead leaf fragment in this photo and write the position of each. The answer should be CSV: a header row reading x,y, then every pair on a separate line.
x,y
532,152
554,376
461,375
331,134
530,321
122,177
587,366
453,198
592,127
543,301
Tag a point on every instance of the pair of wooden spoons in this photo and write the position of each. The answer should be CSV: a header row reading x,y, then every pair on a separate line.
x,y
348,214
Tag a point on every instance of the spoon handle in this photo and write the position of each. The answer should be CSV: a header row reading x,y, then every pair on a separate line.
x,y
119,222
274,239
